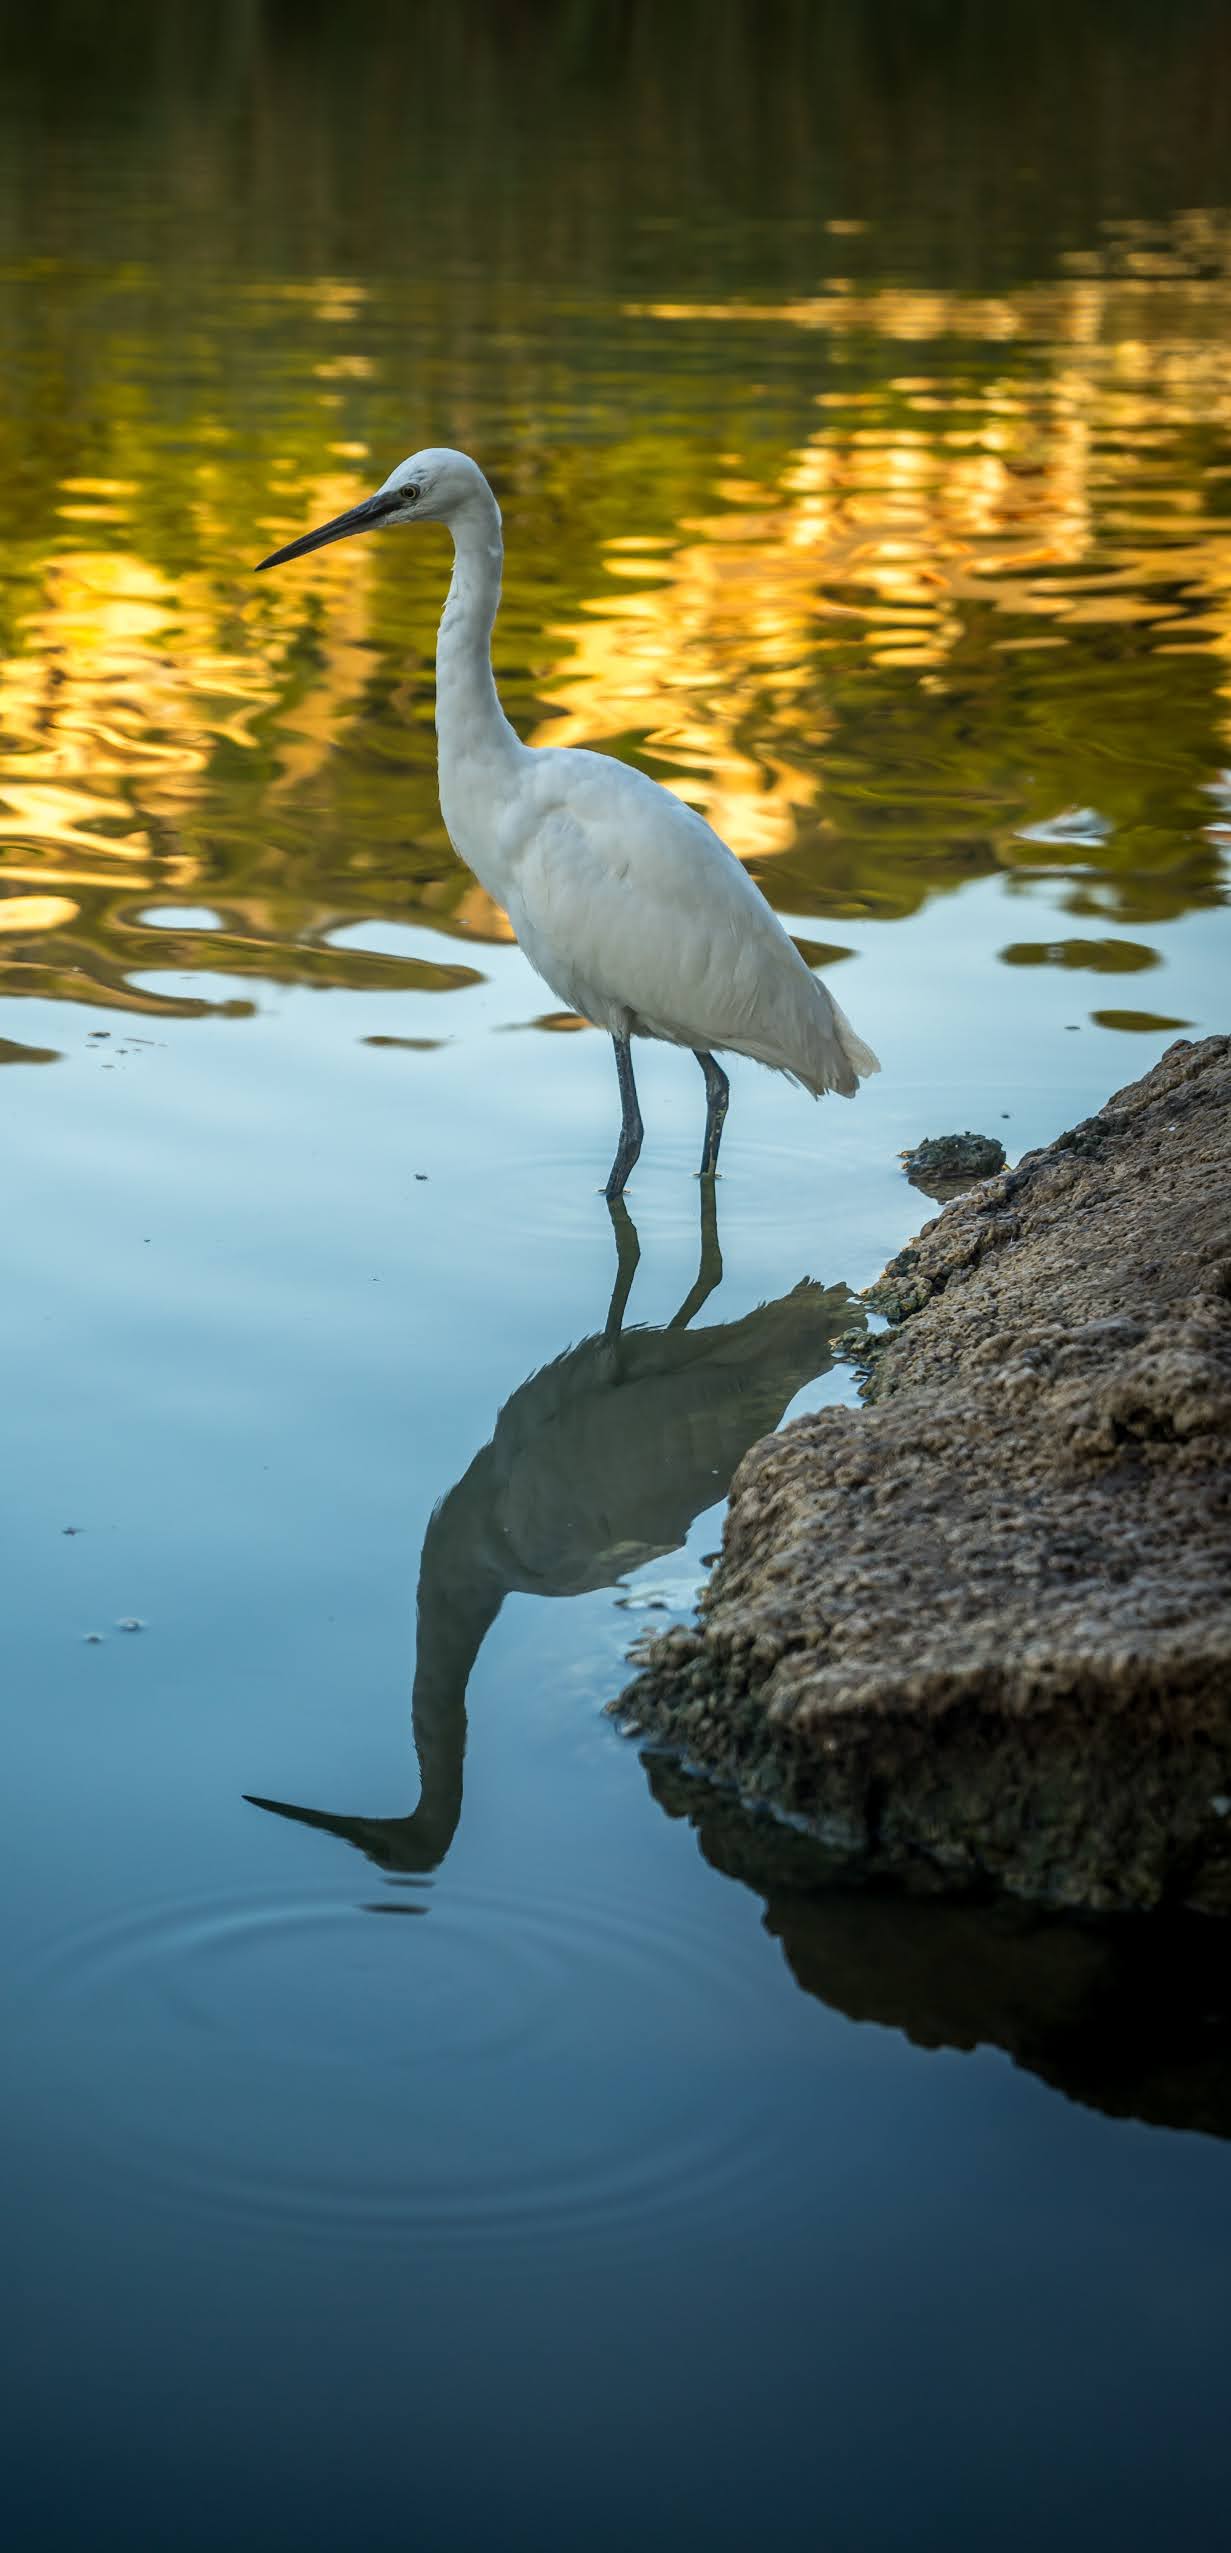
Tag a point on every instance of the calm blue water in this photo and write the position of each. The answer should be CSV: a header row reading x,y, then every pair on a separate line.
x,y
482,2163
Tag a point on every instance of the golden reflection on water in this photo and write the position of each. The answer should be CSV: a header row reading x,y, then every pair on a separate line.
x,y
988,583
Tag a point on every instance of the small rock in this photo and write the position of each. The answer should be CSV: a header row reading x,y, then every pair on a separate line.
x,y
952,1156
130,1622
944,1165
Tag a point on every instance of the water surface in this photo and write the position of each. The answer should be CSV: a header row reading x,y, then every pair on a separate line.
x,y
422,2114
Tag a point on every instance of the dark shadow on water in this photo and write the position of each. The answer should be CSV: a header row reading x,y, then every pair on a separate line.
x,y
597,1464
1128,2014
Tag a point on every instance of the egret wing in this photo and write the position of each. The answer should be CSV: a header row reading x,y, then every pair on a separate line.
x,y
639,916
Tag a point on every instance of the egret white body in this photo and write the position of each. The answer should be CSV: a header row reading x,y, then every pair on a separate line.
x,y
625,901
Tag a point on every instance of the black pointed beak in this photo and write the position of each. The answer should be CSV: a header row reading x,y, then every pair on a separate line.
x,y
393,1843
359,518
320,1817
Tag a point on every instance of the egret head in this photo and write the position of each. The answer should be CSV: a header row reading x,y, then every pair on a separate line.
x,y
436,486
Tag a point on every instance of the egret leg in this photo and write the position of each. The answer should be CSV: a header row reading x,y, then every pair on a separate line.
x,y
628,1253
631,1129
718,1100
709,1270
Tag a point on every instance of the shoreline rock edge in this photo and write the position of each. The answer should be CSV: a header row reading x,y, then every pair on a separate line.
x,y
979,1630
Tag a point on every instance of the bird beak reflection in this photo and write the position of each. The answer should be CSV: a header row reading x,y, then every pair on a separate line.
x,y
358,518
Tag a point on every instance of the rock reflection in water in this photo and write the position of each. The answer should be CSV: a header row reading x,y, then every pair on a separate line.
x,y
597,1464
1128,2014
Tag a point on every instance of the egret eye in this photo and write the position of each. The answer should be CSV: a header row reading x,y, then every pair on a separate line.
x,y
412,495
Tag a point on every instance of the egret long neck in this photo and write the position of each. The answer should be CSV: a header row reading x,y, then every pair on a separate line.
x,y
470,723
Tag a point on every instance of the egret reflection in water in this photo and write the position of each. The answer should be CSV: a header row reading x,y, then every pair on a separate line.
x,y
597,1464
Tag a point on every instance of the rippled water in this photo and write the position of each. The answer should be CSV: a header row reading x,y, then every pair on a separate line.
x,y
860,407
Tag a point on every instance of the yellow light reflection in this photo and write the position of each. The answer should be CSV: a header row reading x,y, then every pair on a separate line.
x,y
173,733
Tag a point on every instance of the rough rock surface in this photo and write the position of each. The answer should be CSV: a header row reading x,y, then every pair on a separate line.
x,y
986,1621
944,1165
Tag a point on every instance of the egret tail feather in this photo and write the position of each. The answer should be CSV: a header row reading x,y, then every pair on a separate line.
x,y
861,1059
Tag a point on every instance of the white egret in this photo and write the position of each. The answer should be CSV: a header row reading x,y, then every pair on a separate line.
x,y
625,901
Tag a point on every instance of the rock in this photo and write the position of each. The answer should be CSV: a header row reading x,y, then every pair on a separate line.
x,y
984,1623
945,1165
